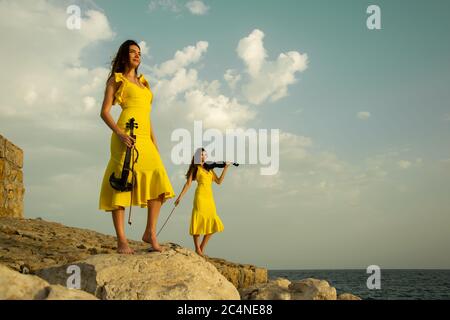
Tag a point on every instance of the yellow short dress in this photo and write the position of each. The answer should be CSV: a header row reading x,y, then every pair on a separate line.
x,y
151,178
204,219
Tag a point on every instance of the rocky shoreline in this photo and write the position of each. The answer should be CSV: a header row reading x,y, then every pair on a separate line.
x,y
36,255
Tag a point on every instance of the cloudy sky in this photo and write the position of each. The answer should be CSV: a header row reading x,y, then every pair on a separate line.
x,y
364,120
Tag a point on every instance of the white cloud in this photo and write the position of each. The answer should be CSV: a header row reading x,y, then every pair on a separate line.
x,y
404,164
219,112
180,92
94,79
89,103
363,115
232,77
182,97
30,96
294,146
50,109
169,89
267,80
197,7
49,78
95,27
251,50
145,50
181,59
171,5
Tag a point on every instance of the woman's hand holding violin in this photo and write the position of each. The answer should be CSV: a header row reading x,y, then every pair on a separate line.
x,y
126,139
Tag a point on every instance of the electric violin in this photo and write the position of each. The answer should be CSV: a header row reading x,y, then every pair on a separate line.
x,y
122,184
208,165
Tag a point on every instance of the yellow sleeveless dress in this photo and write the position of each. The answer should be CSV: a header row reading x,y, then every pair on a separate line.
x,y
204,218
151,178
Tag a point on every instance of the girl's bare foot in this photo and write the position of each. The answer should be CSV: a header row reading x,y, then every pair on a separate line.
x,y
199,251
123,248
146,237
158,249
153,242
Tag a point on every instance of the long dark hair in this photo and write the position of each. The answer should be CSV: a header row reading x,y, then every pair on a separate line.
x,y
192,167
122,58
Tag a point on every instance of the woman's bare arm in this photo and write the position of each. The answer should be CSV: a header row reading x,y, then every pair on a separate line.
x,y
222,176
185,189
111,88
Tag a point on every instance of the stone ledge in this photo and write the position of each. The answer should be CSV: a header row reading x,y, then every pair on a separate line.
x,y
33,244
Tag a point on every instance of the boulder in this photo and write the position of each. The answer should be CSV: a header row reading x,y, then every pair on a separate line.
x,y
312,289
272,290
171,275
282,282
348,296
17,286
283,289
240,275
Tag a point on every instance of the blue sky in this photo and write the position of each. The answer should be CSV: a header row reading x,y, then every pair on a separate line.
x,y
352,191
399,73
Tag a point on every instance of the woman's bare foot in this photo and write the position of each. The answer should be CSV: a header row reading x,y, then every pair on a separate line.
x,y
124,248
153,242
199,251
158,249
146,237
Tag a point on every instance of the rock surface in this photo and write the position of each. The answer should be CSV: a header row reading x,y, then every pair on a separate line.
x,y
283,289
48,248
11,179
312,289
272,290
241,275
28,245
348,296
15,286
172,275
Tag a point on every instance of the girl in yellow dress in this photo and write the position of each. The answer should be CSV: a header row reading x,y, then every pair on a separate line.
x,y
204,218
152,186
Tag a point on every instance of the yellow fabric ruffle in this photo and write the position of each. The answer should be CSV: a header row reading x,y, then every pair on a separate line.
x,y
205,225
118,96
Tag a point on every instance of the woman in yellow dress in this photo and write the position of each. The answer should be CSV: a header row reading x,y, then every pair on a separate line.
x,y
204,218
152,186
